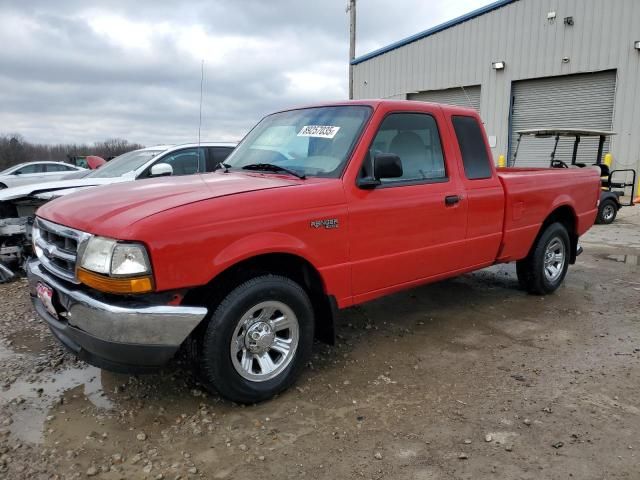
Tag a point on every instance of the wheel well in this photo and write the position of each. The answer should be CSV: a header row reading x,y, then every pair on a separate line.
x,y
292,266
567,217
610,197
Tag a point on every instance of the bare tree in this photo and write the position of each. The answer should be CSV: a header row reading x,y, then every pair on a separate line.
x,y
15,149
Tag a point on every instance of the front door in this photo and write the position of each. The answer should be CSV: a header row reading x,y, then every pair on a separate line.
x,y
406,229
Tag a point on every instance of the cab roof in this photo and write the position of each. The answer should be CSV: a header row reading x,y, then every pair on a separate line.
x,y
375,103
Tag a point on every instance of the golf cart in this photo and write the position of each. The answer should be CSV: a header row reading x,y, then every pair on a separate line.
x,y
615,183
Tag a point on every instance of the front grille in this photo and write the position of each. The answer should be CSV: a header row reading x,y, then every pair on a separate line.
x,y
57,248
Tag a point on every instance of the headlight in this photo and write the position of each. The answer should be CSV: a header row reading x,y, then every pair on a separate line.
x,y
35,235
129,259
110,266
98,254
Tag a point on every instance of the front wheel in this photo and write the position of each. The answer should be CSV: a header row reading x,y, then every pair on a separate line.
x,y
607,212
258,339
543,271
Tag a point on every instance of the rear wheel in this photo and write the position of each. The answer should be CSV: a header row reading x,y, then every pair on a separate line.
x,y
543,271
258,339
607,212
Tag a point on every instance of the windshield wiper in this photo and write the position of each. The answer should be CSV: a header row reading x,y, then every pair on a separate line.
x,y
220,165
271,167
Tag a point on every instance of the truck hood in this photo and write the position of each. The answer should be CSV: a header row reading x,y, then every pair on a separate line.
x,y
116,207
49,190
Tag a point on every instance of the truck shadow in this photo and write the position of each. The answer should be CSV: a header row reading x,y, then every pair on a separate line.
x,y
438,311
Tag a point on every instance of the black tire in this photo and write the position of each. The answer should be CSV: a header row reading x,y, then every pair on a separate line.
x,y
531,270
215,357
607,212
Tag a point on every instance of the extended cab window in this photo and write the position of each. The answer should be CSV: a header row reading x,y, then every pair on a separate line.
x,y
415,139
472,147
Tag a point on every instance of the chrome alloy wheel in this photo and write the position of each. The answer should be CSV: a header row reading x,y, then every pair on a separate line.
x,y
265,341
554,258
608,212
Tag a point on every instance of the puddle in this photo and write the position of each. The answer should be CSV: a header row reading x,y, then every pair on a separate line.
x,y
29,416
633,260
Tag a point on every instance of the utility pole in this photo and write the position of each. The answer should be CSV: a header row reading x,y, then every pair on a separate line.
x,y
352,42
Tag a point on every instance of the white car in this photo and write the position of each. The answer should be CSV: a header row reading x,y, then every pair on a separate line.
x,y
35,172
159,160
19,204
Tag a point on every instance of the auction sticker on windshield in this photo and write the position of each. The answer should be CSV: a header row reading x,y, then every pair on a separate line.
x,y
319,131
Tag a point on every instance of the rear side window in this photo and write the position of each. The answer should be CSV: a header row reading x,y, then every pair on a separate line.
x,y
472,146
53,167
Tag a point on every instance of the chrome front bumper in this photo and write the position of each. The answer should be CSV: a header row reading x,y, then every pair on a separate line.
x,y
120,335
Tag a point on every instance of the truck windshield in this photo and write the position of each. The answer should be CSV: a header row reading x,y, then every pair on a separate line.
x,y
311,141
123,164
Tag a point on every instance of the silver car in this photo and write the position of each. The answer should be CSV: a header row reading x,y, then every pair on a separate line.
x,y
35,172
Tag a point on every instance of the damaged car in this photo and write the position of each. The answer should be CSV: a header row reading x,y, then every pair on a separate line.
x,y
19,204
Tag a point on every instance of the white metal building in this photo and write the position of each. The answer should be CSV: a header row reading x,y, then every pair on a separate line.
x,y
566,63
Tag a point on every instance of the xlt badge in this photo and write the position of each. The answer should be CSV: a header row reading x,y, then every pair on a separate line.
x,y
327,223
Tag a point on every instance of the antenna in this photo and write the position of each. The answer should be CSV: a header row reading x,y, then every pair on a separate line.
x,y
200,119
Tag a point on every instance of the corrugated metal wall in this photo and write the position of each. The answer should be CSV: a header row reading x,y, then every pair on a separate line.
x,y
583,100
519,33
468,96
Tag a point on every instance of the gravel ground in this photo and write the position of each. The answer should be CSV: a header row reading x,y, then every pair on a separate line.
x,y
468,378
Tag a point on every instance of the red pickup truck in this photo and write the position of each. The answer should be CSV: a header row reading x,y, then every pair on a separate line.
x,y
318,209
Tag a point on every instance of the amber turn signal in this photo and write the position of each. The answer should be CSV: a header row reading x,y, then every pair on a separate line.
x,y
115,285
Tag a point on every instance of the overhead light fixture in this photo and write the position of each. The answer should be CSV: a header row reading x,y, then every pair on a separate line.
x,y
637,44
498,65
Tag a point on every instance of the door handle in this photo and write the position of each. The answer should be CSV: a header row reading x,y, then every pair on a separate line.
x,y
451,199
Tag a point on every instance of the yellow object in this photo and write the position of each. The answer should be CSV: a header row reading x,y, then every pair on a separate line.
x,y
115,285
501,162
608,160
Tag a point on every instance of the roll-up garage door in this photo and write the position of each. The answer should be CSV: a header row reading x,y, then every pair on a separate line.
x,y
573,101
460,96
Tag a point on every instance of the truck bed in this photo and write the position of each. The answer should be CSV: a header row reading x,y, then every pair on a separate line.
x,y
532,193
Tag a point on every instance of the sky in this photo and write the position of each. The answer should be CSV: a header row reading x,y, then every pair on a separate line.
x,y
85,71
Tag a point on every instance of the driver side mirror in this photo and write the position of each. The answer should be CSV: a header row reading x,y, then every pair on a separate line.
x,y
161,170
385,165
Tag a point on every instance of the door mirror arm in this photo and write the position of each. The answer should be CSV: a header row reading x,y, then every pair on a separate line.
x,y
385,165
368,183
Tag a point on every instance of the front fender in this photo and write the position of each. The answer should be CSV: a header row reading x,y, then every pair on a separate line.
x,y
261,244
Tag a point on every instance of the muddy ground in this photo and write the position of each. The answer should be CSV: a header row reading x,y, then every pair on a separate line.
x,y
469,378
